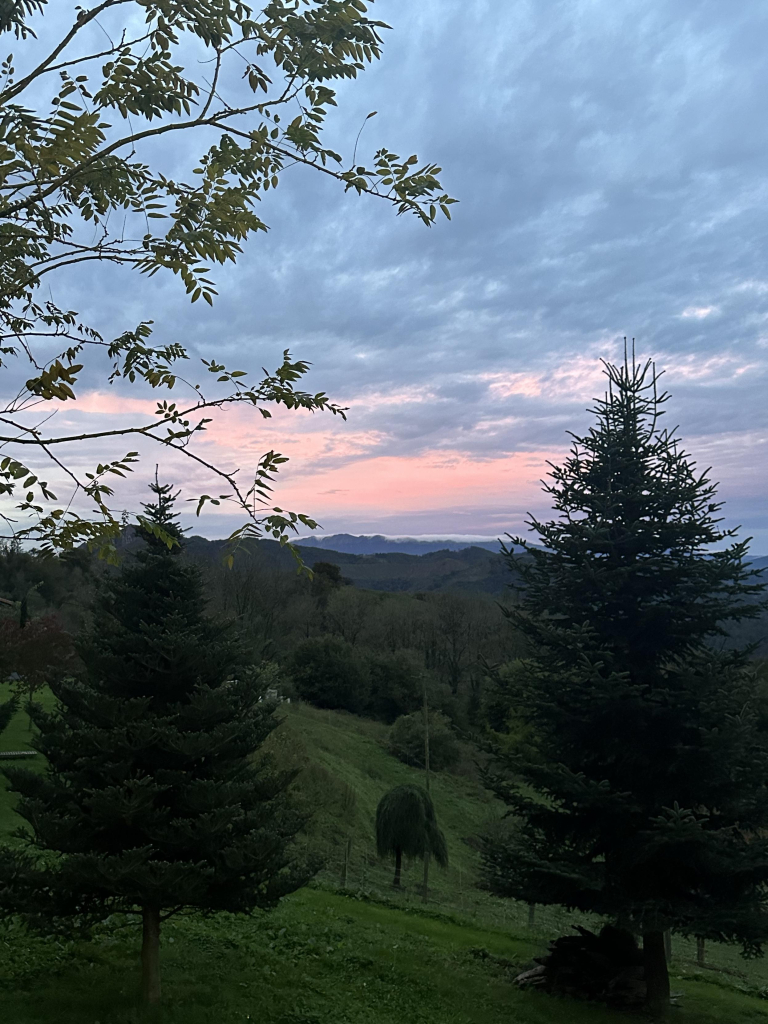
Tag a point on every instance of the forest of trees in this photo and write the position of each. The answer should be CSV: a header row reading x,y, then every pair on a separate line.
x,y
366,652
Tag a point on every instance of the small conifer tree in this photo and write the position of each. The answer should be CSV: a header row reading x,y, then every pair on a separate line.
x,y
152,801
643,797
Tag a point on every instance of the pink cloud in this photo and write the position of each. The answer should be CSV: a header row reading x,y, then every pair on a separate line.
x,y
578,377
110,403
334,468
713,370
431,481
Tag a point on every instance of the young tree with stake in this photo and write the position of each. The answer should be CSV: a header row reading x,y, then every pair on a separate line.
x,y
644,797
155,798
406,825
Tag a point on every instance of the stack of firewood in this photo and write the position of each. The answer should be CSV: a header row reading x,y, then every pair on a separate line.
x,y
607,967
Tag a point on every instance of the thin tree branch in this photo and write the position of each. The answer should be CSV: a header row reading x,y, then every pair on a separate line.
x,y
121,256
98,56
212,93
84,18
213,121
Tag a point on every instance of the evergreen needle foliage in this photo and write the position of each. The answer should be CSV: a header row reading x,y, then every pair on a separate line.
x,y
406,824
644,798
7,710
152,800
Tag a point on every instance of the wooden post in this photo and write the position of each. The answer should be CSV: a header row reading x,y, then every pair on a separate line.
x,y
668,945
531,914
700,950
425,889
345,862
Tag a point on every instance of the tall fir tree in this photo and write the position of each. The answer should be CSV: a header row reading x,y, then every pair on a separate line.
x,y
155,797
644,798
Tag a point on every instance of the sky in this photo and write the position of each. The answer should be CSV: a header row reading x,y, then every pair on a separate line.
x,y
610,162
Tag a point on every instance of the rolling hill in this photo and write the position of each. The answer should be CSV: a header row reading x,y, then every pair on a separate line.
x,y
470,569
341,955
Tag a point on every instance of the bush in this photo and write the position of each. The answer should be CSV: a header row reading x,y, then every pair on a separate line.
x,y
396,686
327,672
406,741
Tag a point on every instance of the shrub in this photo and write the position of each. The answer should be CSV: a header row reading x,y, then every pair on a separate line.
x,y
395,681
327,672
406,741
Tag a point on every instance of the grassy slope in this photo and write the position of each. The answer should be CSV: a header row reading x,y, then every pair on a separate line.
x,y
324,956
349,770
343,750
16,737
321,958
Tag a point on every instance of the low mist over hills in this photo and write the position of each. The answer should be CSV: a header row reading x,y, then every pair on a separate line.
x,y
379,545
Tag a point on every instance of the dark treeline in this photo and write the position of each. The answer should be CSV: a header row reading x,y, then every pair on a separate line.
x,y
367,652
336,645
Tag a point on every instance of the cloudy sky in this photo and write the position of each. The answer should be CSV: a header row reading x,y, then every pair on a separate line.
x,y
611,162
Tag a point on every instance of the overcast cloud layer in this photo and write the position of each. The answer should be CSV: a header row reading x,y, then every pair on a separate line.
x,y
611,164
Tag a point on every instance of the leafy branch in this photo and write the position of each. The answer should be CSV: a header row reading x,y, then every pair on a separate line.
x,y
77,186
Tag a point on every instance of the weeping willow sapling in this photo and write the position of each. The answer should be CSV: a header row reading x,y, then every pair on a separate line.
x,y
7,710
406,825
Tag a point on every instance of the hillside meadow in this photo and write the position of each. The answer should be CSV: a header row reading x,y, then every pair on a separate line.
x,y
345,954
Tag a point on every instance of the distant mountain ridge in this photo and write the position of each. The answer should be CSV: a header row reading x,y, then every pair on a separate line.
x,y
465,566
377,544
470,569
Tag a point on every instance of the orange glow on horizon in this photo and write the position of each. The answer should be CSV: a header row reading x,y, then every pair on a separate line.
x,y
430,481
335,468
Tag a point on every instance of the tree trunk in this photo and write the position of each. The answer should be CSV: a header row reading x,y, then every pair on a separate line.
x,y
700,950
398,866
150,955
656,974
425,889
531,914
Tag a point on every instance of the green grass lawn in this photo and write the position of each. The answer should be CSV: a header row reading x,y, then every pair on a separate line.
x,y
348,770
365,955
16,737
321,958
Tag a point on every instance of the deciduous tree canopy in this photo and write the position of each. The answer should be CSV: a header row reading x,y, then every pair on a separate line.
x,y
80,184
